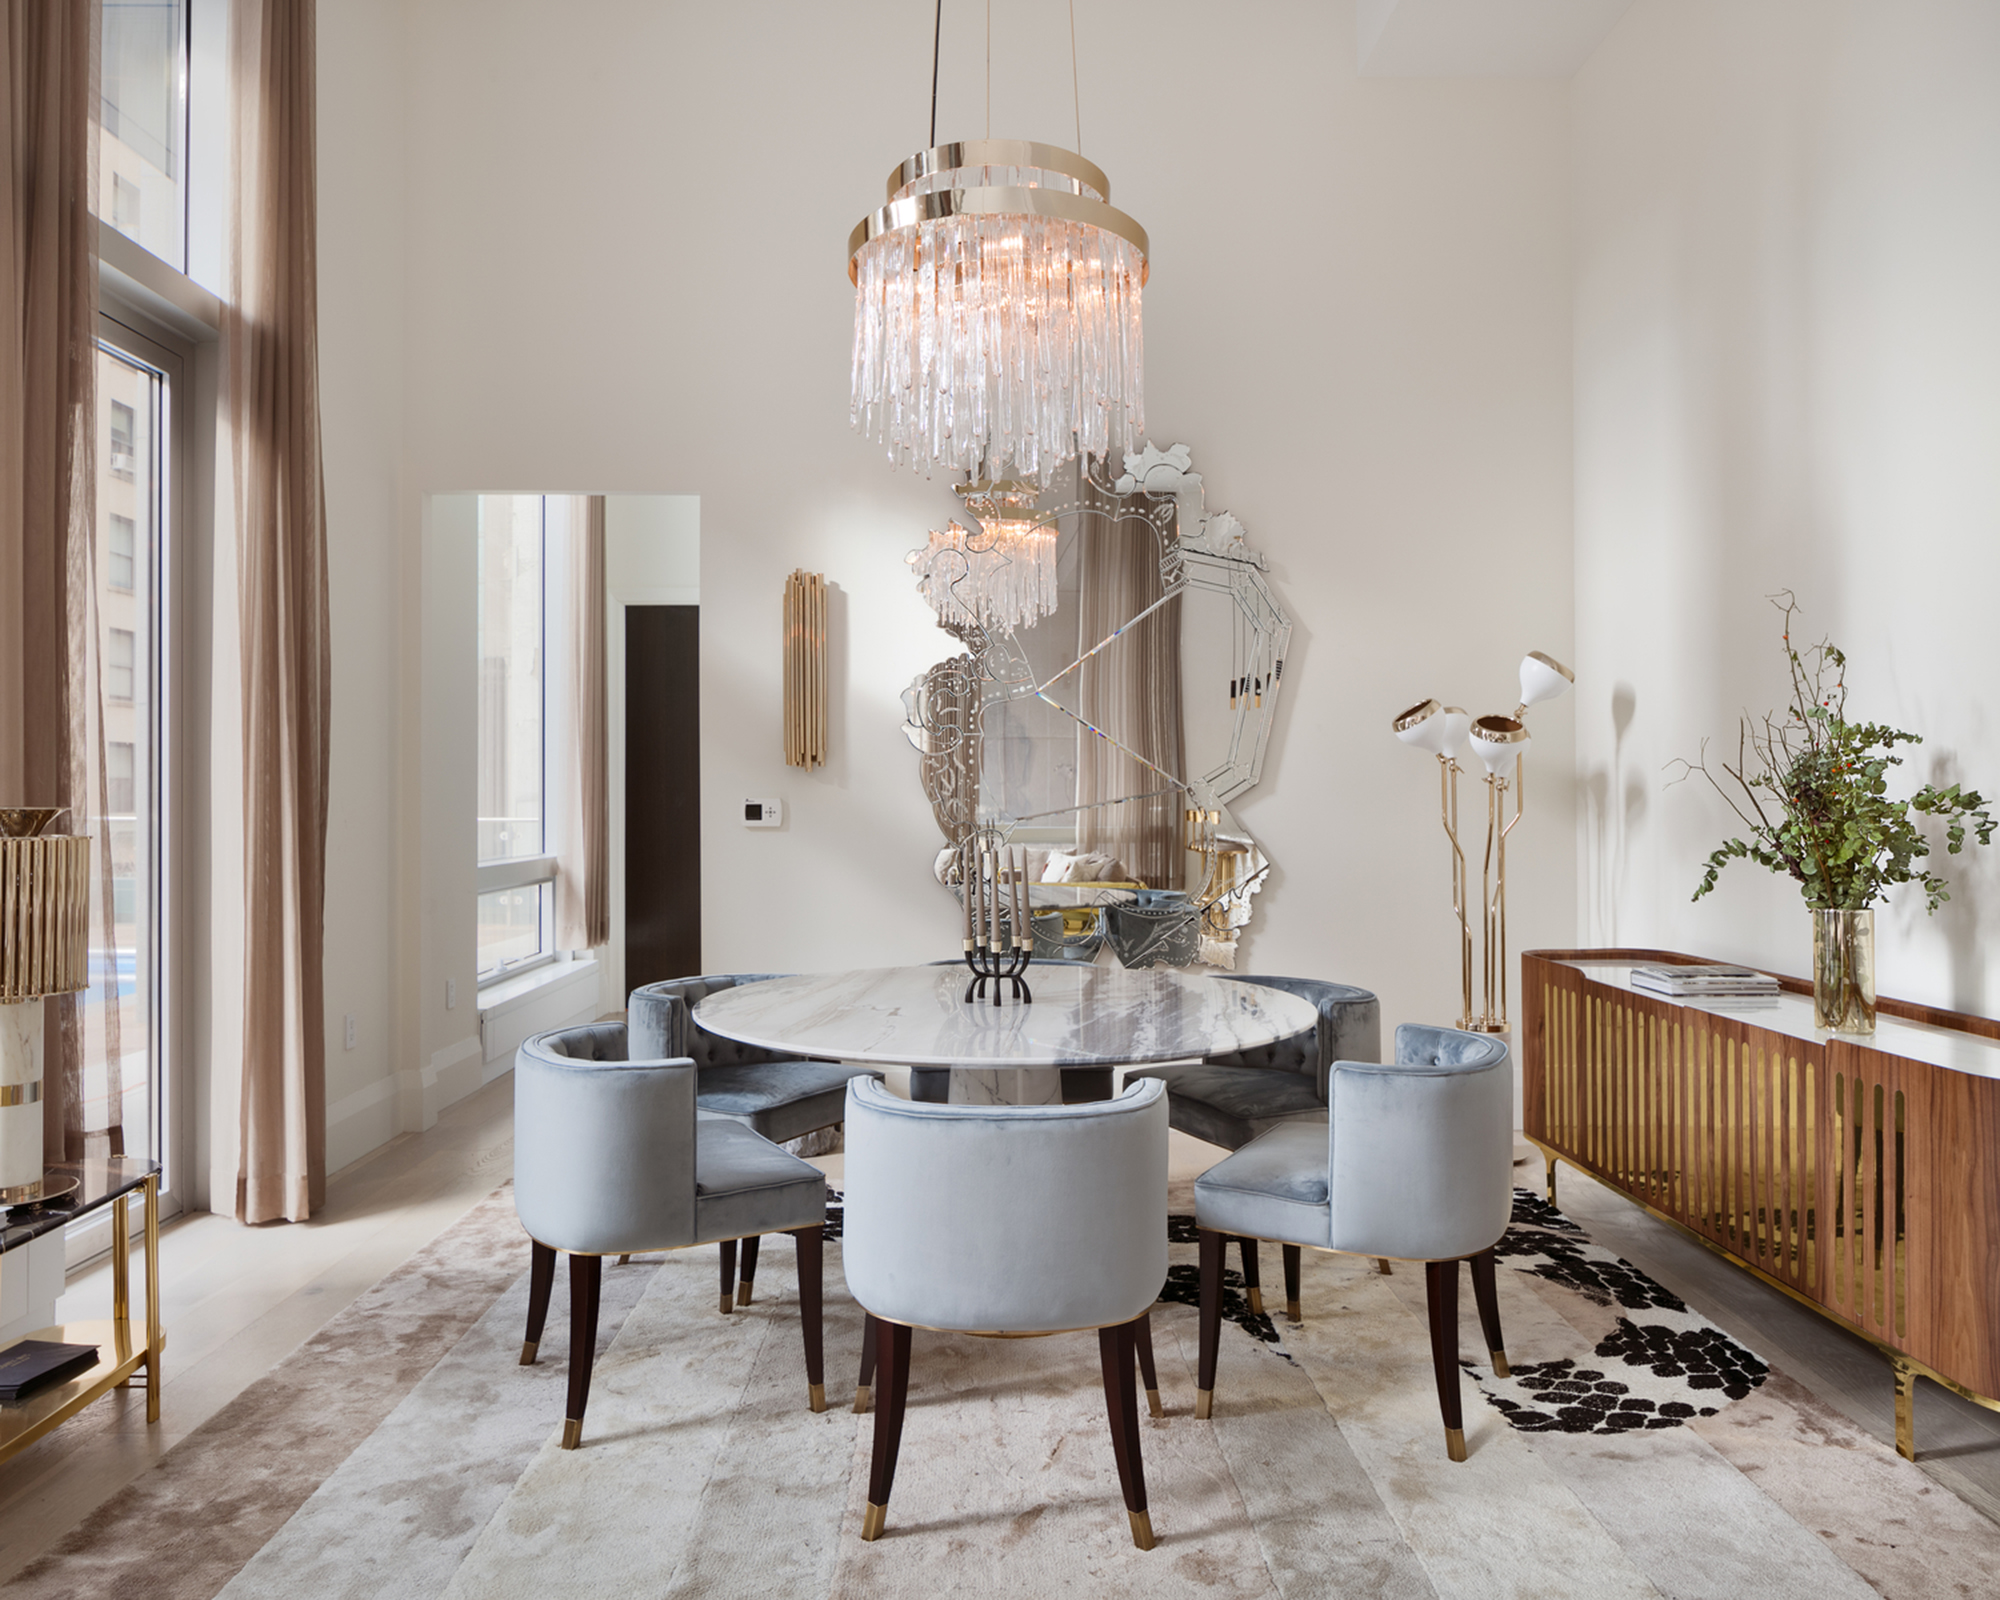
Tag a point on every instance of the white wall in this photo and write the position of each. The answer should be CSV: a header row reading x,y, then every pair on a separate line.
x,y
615,260
1787,376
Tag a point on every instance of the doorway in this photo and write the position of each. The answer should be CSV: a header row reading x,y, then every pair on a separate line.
x,y
662,793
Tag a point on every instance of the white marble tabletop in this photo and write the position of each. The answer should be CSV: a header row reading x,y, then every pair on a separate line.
x,y
1082,1016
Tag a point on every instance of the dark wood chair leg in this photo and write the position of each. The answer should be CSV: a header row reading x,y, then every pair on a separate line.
x,y
1115,1349
586,1274
1291,1254
1486,1295
812,1256
746,1270
728,1275
1441,1284
541,1280
1213,1245
866,1380
1142,1342
1253,1290
1382,1265
892,1354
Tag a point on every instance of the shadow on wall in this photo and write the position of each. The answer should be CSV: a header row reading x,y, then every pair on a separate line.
x,y
1958,922
1615,805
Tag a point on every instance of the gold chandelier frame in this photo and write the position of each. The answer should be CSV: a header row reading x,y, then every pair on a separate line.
x,y
1092,209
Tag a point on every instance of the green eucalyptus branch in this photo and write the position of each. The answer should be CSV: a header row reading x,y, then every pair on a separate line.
x,y
1812,792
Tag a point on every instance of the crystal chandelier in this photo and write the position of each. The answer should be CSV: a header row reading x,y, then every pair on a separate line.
x,y
1001,576
996,313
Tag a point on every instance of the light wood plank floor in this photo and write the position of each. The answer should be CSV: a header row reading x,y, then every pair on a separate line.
x,y
239,1300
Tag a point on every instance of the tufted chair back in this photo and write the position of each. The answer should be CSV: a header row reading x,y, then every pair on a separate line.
x,y
604,1146
1421,1150
1350,1029
661,1019
1006,1219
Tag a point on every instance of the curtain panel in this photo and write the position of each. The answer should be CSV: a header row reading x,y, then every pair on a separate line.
x,y
49,677
272,435
1132,691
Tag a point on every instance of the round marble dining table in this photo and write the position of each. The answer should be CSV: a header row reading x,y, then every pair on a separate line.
x,y
1082,1016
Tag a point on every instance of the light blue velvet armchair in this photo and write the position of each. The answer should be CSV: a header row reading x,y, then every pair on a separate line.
x,y
1231,1099
1007,1219
782,1097
611,1159
1414,1161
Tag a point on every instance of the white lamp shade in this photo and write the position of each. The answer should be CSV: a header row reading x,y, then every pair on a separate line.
x,y
1543,678
1499,742
1457,724
1423,725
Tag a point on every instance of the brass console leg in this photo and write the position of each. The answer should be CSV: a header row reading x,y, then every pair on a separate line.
x,y
1906,1408
1551,1178
1382,1265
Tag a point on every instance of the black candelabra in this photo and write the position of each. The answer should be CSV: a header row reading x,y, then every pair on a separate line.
x,y
998,942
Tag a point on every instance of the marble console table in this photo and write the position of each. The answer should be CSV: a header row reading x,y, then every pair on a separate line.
x,y
1082,1016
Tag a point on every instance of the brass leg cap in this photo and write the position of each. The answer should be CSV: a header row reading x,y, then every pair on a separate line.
x,y
1153,1400
1454,1443
1292,1311
818,1393
1382,1266
726,1304
528,1349
873,1521
572,1432
1256,1301
743,1293
1142,1529
1203,1400
860,1398
1500,1364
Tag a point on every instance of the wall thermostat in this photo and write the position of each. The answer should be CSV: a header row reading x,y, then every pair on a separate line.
x,y
763,813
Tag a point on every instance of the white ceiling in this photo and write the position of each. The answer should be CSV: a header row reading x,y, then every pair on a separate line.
x,y
1481,38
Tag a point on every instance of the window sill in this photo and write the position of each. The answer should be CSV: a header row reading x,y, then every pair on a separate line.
x,y
510,994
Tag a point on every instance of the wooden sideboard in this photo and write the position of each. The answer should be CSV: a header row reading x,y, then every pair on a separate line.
x,y
1861,1175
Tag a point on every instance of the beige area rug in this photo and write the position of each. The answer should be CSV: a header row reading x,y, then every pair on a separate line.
x,y
402,1452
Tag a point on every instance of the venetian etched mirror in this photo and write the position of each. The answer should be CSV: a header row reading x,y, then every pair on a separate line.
x,y
1123,659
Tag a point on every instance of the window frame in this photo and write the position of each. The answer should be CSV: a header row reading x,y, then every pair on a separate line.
x,y
539,871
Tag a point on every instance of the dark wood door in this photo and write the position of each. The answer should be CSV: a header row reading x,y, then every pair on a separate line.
x,y
662,793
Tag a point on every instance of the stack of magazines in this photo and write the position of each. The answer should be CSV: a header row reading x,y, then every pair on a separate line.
x,y
1733,984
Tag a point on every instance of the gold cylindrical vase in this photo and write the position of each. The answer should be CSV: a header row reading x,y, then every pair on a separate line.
x,y
44,950
1844,971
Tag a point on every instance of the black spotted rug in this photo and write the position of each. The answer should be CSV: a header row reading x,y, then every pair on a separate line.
x,y
1661,1366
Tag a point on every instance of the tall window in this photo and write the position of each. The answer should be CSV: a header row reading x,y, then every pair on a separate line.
x,y
516,871
142,151
120,1017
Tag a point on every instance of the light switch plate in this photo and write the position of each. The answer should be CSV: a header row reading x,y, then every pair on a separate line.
x,y
350,1030
763,813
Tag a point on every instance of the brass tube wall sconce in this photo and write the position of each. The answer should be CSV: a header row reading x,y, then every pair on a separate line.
x,y
1501,743
805,670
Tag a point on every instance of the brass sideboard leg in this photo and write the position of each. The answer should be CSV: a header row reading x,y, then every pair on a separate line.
x,y
153,1339
1906,1408
1551,1179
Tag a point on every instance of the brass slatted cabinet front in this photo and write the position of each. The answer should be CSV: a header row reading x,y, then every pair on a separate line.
x,y
1863,1184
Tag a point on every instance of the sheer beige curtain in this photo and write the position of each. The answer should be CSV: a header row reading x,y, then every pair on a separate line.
x,y
271,416
1132,691
48,678
583,882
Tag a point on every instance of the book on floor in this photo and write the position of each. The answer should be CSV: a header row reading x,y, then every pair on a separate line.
x,y
35,1364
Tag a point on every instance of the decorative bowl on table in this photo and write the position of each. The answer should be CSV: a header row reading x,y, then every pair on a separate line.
x,y
27,822
1145,937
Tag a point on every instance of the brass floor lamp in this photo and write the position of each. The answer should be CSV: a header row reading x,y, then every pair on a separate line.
x,y
1501,743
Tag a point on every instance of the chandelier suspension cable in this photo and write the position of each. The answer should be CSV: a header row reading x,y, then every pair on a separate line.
x,y
937,42
989,69
1075,96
